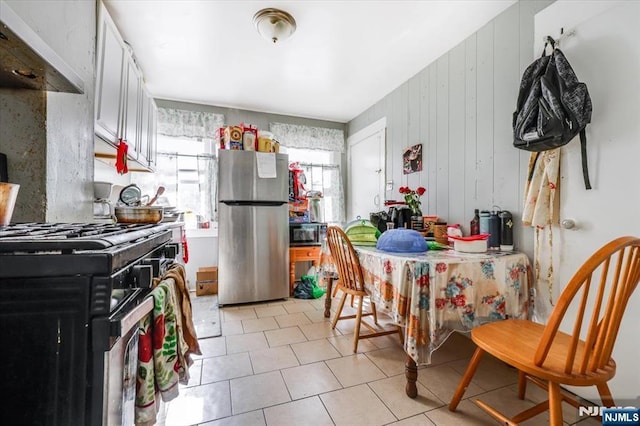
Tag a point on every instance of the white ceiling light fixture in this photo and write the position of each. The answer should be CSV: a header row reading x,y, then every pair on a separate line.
x,y
274,24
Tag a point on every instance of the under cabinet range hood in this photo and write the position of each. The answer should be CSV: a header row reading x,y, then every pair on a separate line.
x,y
27,61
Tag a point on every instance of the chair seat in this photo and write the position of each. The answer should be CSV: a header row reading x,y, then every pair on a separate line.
x,y
515,342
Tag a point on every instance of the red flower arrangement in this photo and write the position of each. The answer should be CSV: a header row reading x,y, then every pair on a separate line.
x,y
412,198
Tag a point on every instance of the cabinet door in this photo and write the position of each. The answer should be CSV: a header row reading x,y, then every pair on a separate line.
x,y
153,135
110,59
132,108
143,145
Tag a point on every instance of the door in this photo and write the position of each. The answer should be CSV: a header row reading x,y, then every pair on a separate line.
x,y
605,55
242,177
366,171
132,109
253,252
43,377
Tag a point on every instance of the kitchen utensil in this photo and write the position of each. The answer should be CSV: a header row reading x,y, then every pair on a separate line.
x,y
159,192
8,195
471,244
131,195
138,214
102,190
101,208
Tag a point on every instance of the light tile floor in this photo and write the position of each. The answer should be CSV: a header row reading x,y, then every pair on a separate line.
x,y
279,363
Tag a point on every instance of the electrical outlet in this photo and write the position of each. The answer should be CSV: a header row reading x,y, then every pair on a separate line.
x,y
389,185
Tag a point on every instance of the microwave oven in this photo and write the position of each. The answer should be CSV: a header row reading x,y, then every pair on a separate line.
x,y
307,234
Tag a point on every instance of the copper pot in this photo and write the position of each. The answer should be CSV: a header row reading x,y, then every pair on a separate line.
x,y
139,214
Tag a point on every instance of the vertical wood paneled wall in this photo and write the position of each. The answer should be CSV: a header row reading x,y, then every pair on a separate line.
x,y
460,109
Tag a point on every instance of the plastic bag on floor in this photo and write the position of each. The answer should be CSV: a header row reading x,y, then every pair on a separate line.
x,y
308,288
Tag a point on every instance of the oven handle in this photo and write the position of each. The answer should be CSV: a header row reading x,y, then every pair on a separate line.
x,y
127,322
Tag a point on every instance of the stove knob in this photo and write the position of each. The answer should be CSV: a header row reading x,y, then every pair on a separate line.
x,y
171,251
142,276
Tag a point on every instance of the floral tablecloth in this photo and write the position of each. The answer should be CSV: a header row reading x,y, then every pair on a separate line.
x,y
439,292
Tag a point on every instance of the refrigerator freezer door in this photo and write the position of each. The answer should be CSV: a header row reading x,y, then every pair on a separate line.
x,y
238,178
253,253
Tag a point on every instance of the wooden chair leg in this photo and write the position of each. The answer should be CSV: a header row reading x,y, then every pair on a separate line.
x,y
375,313
356,330
338,311
605,395
555,405
466,378
522,384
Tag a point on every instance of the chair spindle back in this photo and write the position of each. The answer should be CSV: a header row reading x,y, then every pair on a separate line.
x,y
345,258
607,279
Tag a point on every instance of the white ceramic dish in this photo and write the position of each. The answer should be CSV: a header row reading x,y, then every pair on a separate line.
x,y
474,244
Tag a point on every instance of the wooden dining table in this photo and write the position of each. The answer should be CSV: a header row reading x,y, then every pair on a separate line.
x,y
439,292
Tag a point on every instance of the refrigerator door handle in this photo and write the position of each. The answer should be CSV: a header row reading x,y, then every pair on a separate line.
x,y
255,203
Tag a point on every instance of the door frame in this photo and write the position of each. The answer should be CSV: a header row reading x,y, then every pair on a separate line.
x,y
357,137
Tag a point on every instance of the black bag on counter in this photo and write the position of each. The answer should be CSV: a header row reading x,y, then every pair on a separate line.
x,y
379,220
553,107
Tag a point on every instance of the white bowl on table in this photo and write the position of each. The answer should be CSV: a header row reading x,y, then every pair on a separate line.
x,y
471,244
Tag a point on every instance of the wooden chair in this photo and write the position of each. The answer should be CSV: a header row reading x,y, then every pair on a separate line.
x,y
351,282
549,357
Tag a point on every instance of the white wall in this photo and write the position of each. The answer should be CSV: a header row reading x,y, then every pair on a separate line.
x,y
605,54
48,136
203,251
459,108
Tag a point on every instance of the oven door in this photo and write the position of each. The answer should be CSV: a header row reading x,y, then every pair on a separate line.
x,y
120,367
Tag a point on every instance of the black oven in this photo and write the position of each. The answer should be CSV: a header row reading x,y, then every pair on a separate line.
x,y
71,296
307,234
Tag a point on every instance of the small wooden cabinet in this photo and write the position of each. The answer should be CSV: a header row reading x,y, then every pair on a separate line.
x,y
301,254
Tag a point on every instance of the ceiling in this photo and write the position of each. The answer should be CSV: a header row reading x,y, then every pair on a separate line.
x,y
344,56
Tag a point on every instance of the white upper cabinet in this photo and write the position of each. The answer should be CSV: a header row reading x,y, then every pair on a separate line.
x,y
124,110
153,134
132,109
110,62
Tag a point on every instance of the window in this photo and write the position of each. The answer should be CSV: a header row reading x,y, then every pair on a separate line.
x,y
186,168
322,173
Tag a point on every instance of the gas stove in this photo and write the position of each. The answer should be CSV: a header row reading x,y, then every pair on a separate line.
x,y
71,297
46,249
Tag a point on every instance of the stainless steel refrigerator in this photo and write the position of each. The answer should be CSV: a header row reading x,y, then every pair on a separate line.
x,y
253,232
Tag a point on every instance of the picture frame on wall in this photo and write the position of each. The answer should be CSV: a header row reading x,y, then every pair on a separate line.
x,y
412,159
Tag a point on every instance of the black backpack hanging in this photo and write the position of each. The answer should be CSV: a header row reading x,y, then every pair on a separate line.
x,y
553,107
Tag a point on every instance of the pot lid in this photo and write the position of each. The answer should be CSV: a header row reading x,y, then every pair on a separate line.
x,y
131,195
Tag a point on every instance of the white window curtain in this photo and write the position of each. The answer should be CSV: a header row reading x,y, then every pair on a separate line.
x,y
187,166
308,137
326,179
181,123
